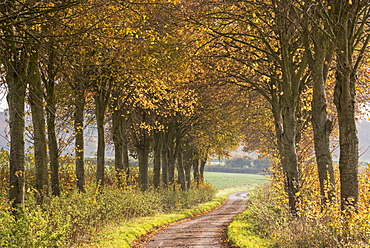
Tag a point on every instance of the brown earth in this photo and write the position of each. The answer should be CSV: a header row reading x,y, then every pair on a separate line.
x,y
207,230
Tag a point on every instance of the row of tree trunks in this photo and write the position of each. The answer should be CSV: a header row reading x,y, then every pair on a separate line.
x,y
169,156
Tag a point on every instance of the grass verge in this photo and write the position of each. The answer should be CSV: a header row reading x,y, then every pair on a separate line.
x,y
247,230
242,233
123,234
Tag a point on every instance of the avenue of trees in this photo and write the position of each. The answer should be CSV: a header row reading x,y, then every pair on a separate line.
x,y
125,68
176,81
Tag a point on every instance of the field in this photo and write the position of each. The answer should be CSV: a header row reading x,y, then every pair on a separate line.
x,y
222,180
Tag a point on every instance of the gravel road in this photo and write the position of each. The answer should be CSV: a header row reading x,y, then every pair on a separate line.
x,y
206,231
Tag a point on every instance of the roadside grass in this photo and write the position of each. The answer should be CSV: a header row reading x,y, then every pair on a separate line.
x,y
124,234
242,232
248,229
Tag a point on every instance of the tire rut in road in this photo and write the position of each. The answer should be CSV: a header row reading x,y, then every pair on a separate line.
x,y
204,231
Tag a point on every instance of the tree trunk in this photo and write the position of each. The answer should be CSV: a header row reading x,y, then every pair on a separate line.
x,y
322,126
79,139
196,173
126,162
37,108
164,156
187,167
122,165
276,108
289,84
118,145
319,51
157,160
180,171
16,70
289,158
100,107
50,120
143,157
171,163
203,163
344,99
284,114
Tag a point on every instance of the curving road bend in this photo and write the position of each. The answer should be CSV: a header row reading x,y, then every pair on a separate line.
x,y
204,231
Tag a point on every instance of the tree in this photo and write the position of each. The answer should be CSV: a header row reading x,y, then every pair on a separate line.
x,y
259,47
319,51
348,20
49,76
38,120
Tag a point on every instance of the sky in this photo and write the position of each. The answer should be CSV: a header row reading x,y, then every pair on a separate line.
x,y
3,103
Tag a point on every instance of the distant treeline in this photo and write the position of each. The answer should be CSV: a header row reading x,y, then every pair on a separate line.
x,y
225,169
241,164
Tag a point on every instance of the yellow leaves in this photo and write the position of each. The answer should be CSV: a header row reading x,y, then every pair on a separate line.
x,y
19,173
31,190
350,2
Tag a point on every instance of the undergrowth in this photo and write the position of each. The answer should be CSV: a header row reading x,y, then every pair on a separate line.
x,y
73,218
268,223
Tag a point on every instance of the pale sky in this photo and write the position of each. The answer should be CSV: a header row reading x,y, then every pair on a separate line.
x,y
3,104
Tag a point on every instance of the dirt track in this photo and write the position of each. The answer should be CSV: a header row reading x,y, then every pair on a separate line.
x,y
204,231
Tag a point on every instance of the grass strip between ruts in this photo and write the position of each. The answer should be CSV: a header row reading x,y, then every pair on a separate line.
x,y
123,234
